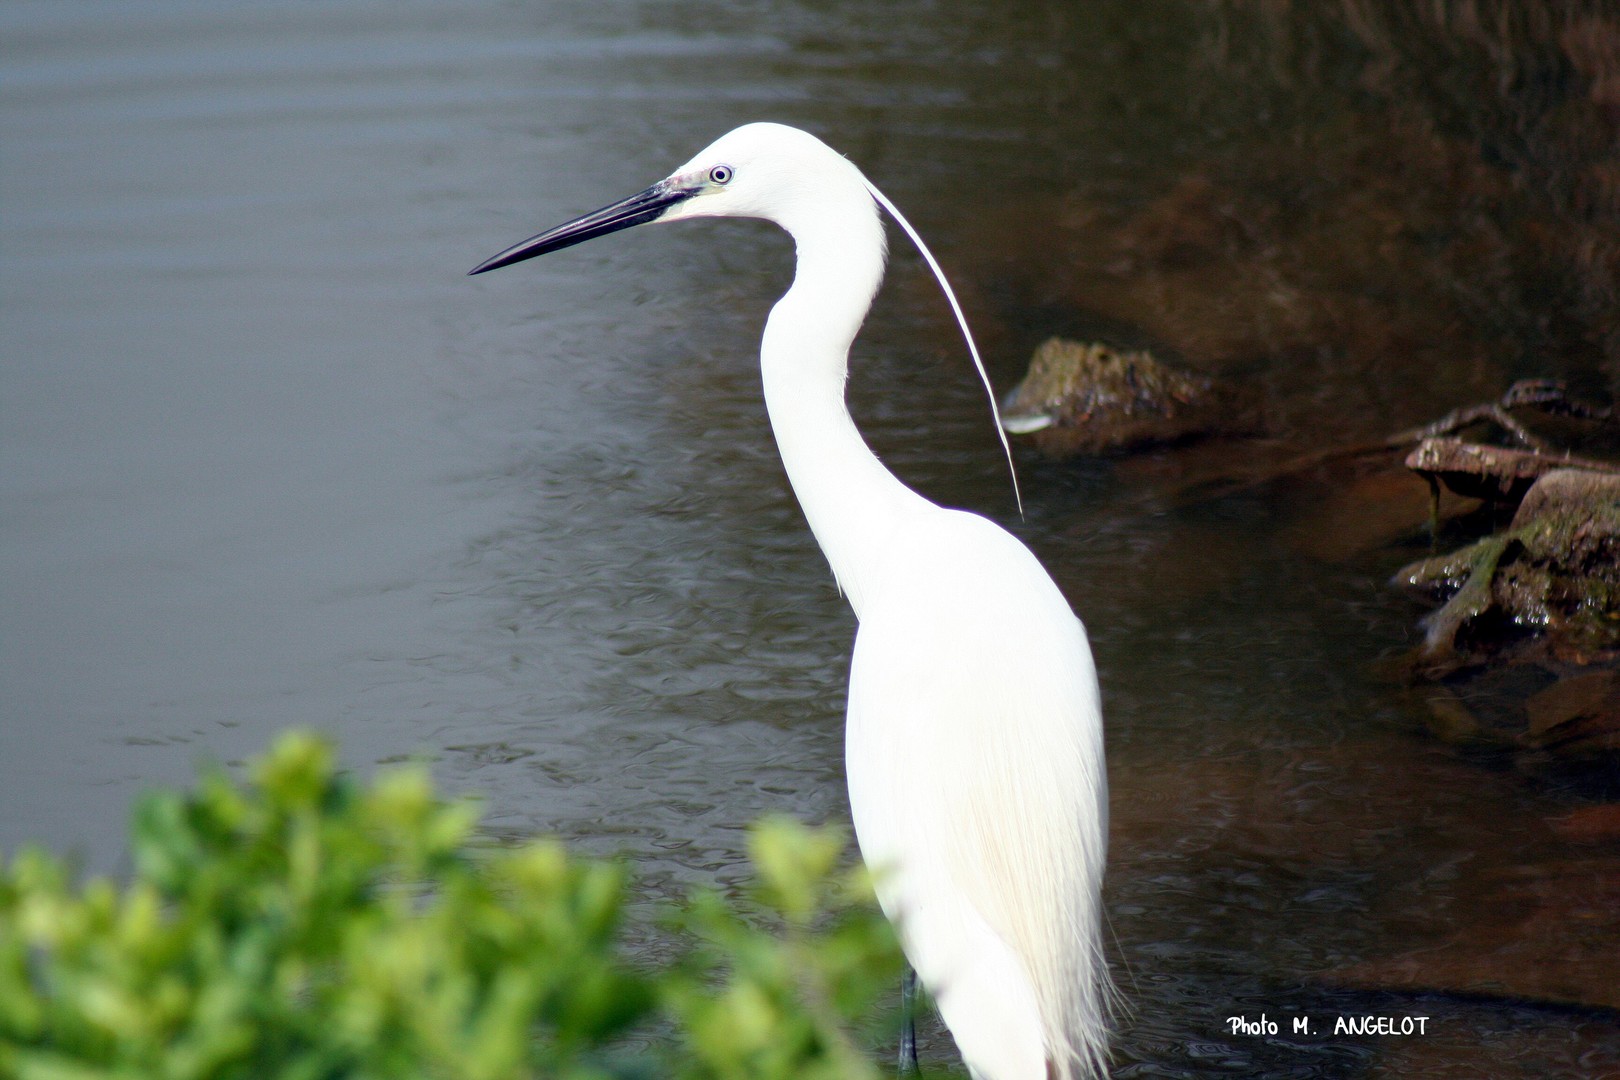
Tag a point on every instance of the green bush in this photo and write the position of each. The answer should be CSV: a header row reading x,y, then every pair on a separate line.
x,y
305,926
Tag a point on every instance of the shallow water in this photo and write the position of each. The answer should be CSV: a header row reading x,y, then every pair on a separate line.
x,y
269,459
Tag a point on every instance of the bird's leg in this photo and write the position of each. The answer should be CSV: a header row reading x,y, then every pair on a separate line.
x,y
908,1024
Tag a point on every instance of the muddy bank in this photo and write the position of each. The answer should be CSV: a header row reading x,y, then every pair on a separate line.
x,y
1428,214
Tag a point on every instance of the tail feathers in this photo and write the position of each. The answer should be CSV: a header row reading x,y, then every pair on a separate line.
x,y
1083,1032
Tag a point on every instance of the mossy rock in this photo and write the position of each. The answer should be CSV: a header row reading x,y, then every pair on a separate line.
x,y
1554,576
1081,398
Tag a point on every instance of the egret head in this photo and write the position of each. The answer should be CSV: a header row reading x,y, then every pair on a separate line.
x,y
781,174
768,171
762,170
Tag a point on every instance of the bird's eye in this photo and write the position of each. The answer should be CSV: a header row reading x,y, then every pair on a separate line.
x,y
720,174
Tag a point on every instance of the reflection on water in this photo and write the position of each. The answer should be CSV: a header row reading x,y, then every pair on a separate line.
x,y
269,459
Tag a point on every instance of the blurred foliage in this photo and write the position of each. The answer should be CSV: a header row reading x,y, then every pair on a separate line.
x,y
788,991
304,925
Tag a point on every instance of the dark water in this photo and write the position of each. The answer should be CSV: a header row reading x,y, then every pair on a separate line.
x,y
269,459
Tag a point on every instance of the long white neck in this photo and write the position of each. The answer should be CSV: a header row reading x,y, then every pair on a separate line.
x,y
852,502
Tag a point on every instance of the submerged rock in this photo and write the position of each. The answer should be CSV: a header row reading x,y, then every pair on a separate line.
x,y
1577,716
1089,399
1541,931
1552,718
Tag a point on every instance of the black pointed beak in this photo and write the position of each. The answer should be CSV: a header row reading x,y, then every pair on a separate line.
x,y
638,209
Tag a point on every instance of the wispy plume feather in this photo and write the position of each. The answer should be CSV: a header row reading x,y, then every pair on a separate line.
x,y
961,320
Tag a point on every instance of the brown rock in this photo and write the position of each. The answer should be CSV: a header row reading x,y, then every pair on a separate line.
x,y
1089,399
1479,471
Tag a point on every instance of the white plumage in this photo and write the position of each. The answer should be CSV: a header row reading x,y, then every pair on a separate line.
x,y
974,742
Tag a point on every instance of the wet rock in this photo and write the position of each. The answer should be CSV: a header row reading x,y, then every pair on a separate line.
x,y
1466,577
1554,575
1478,471
1569,492
1088,399
1569,580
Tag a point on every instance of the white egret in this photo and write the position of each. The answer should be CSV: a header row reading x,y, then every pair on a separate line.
x,y
974,746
